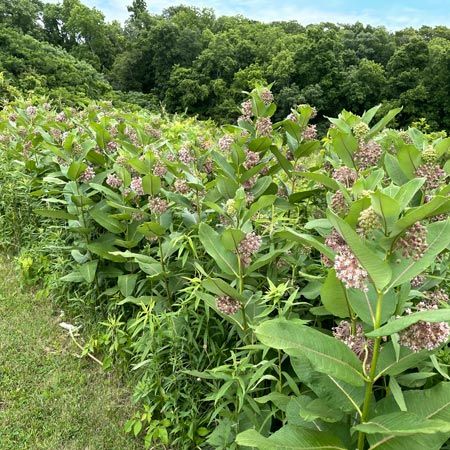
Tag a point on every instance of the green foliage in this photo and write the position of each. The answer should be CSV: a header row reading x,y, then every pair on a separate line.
x,y
219,264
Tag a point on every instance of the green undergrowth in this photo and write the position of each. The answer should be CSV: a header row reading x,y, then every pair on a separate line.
x,y
49,398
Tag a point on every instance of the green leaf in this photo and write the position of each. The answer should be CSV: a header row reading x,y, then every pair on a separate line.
x,y
346,397
387,208
394,169
127,283
88,270
55,214
231,237
407,192
151,184
439,315
226,260
320,178
326,354
438,238
106,221
307,240
260,144
369,115
76,168
378,270
409,159
151,229
333,296
402,424
384,121
220,287
397,393
319,409
345,145
419,213
292,438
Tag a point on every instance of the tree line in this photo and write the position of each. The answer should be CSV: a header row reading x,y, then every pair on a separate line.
x,y
191,60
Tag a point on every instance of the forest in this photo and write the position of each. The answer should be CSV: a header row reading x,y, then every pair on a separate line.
x,y
187,59
222,234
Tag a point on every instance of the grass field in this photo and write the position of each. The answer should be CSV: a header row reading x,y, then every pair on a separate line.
x,y
49,398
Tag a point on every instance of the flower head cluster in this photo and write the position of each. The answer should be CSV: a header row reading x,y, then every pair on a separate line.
x,y
181,186
417,281
185,155
436,297
361,130
266,97
31,111
405,137
368,221
158,205
230,207
433,174
248,247
227,305
61,117
335,242
251,159
339,204
292,117
153,132
159,169
263,126
136,186
247,111
424,335
356,342
413,244
12,117
349,270
114,181
87,175
131,134
429,155
208,166
112,146
310,133
345,175
225,142
368,155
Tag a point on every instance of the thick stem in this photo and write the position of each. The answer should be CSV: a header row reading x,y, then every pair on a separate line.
x,y
372,373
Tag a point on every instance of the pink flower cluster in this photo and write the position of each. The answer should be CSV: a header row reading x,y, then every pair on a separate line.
x,y
413,244
349,270
434,175
113,181
158,205
248,247
185,156
227,305
87,175
263,126
136,186
251,159
345,175
309,133
367,155
225,142
356,342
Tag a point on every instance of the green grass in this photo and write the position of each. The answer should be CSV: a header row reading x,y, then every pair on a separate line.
x,y
49,398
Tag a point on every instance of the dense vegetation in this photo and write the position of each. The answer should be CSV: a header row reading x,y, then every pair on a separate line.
x,y
191,60
263,288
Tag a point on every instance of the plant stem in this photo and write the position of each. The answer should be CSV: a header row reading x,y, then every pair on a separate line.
x,y
372,373
163,266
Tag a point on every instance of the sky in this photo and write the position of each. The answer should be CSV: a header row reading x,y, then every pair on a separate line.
x,y
393,14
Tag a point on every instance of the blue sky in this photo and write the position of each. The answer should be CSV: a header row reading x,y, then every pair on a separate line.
x,y
393,14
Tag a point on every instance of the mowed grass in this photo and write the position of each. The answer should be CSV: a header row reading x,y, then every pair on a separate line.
x,y
50,399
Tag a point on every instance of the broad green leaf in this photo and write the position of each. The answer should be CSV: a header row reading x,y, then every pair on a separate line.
x,y
370,114
105,220
151,229
419,213
55,214
428,404
73,277
407,192
307,240
365,303
263,202
220,287
397,393
88,271
394,169
231,237
284,163
226,260
439,315
334,297
387,209
320,178
260,144
384,121
345,145
409,159
319,409
326,354
378,270
403,424
76,168
151,184
291,438
346,397
438,238
127,283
